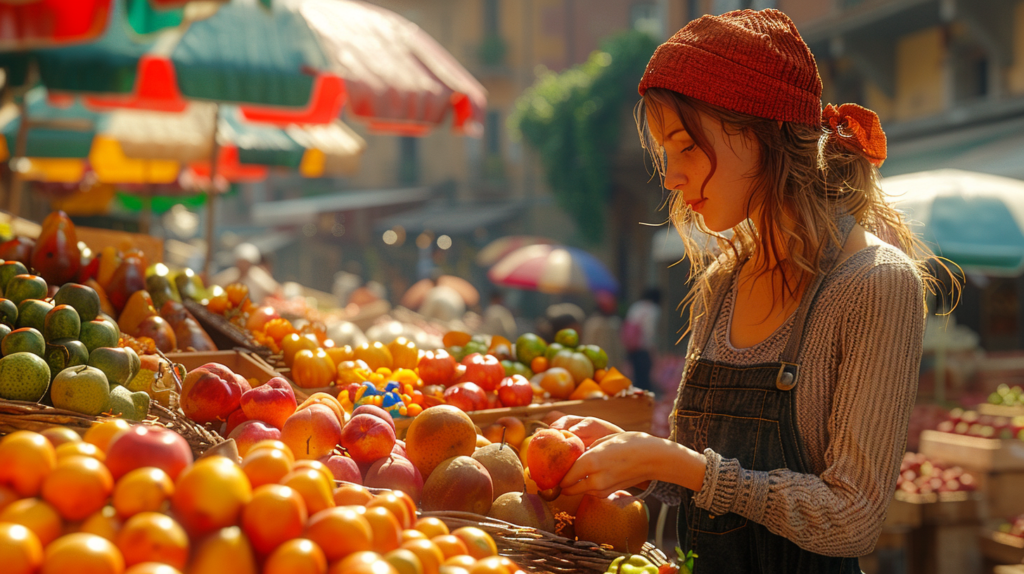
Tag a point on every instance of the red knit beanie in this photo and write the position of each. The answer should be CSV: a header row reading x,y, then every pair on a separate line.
x,y
752,62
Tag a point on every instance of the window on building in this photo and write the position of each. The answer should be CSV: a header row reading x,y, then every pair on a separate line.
x,y
970,73
408,161
494,161
646,17
492,47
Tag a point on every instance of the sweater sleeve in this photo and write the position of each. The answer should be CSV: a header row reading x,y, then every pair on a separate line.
x,y
840,513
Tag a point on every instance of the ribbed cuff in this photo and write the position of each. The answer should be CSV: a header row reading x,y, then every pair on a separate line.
x,y
751,495
667,493
721,476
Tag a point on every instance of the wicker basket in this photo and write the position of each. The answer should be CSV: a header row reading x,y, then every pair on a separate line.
x,y
225,334
539,551
21,415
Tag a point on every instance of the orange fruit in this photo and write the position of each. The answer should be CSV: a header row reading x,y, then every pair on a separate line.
x,y
142,490
352,495
494,565
275,514
82,554
463,560
456,339
104,523
7,496
272,445
375,355
313,487
340,531
26,458
36,515
450,545
210,494
404,561
387,532
478,543
153,537
429,554
78,486
315,465
404,354
410,534
363,563
60,435
226,550
432,527
81,448
20,549
266,466
398,503
539,364
296,556
152,568
100,433
439,433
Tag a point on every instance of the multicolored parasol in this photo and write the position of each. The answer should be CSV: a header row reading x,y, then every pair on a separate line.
x,y
553,269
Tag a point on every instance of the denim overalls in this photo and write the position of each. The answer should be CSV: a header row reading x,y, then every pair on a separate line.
x,y
749,413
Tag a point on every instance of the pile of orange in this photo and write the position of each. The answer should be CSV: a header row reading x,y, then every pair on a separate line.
x,y
61,511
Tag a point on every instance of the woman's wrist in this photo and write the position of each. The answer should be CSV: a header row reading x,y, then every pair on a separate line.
x,y
677,464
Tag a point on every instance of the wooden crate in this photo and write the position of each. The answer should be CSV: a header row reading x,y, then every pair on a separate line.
x,y
1000,410
97,239
632,413
975,453
1009,569
999,548
249,365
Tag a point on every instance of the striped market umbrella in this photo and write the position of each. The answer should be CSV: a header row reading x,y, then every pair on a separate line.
x,y
499,248
973,219
553,269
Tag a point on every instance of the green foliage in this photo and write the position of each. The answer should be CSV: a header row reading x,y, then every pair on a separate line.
x,y
685,560
573,119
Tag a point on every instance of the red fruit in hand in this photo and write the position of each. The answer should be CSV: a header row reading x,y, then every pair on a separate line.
x,y
551,455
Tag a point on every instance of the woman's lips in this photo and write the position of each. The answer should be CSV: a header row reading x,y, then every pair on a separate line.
x,y
696,204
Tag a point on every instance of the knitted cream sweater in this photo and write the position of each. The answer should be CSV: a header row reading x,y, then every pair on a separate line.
x,y
859,373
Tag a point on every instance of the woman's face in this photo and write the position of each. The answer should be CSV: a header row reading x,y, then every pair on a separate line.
x,y
723,204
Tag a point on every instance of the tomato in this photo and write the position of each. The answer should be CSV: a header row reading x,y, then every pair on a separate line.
x,y
466,396
484,370
515,391
293,343
528,346
552,350
437,368
558,382
404,353
312,369
596,355
567,337
576,363
374,354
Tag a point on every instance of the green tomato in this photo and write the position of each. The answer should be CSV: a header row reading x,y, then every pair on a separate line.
x,y
507,365
553,350
567,337
596,355
457,352
521,369
528,347
475,347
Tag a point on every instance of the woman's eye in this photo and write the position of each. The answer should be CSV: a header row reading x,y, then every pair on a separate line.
x,y
690,148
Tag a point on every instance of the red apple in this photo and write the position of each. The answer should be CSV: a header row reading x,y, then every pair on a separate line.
x,y
437,368
367,438
395,473
375,411
272,402
466,396
236,418
515,391
343,468
211,393
147,445
251,432
484,370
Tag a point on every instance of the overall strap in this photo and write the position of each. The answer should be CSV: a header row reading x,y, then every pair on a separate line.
x,y
789,370
715,309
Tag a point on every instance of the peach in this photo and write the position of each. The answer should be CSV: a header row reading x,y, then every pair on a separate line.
x,y
251,432
395,473
367,438
460,484
312,432
236,418
399,448
147,445
375,411
620,520
343,468
272,402
439,433
551,455
211,393
510,428
326,400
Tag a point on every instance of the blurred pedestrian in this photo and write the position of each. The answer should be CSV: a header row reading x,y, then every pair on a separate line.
x,y
498,320
249,272
638,335
603,327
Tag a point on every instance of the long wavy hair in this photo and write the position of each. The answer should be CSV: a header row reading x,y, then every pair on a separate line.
x,y
804,178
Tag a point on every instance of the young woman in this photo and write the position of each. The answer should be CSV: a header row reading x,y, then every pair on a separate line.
x,y
791,419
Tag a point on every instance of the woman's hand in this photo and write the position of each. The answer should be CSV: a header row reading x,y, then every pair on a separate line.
x,y
588,429
626,459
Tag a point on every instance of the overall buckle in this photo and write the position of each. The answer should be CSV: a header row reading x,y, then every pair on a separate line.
x,y
786,379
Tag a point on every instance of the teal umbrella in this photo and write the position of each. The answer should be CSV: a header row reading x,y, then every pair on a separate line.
x,y
974,219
